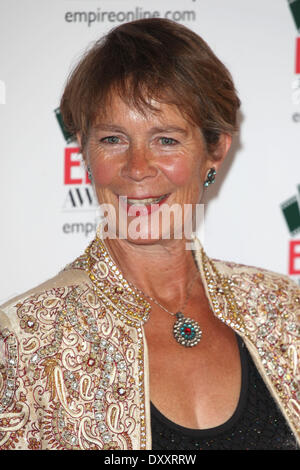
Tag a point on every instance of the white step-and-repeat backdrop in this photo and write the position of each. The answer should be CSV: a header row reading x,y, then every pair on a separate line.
x,y
48,212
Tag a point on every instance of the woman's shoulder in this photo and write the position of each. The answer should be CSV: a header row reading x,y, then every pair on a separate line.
x,y
253,275
260,293
49,295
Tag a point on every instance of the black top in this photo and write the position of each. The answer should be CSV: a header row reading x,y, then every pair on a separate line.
x,y
257,423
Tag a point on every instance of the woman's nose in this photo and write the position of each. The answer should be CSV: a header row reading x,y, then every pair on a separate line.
x,y
139,164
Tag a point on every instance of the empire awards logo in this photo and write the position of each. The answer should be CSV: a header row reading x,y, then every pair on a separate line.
x,y
80,207
291,213
79,193
291,207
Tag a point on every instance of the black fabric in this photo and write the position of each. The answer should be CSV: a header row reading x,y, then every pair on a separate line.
x,y
257,423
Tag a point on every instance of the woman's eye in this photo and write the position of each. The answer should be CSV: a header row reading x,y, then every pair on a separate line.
x,y
168,141
111,139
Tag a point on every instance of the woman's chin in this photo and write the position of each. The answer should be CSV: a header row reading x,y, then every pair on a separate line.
x,y
139,235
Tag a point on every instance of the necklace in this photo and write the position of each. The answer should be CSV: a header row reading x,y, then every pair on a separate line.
x,y
186,331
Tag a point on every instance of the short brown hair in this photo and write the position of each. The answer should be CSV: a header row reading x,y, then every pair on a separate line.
x,y
152,59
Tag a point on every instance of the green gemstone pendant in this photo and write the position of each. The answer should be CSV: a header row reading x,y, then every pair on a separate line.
x,y
186,331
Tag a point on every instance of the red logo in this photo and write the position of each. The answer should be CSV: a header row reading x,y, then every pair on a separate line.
x,y
294,258
71,163
297,67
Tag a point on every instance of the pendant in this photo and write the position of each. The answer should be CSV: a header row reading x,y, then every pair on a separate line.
x,y
186,331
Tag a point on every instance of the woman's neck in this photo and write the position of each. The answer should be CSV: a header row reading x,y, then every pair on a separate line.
x,y
161,270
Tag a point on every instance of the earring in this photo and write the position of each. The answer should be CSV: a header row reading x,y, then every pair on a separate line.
x,y
210,178
89,173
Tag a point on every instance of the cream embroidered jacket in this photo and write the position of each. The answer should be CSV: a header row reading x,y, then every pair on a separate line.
x,y
73,356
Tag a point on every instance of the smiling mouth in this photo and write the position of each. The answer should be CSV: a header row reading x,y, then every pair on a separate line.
x,y
146,201
144,206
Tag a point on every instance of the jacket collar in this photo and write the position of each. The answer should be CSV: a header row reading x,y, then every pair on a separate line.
x,y
129,304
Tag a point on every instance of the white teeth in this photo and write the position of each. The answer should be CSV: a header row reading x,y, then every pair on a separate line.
x,y
145,201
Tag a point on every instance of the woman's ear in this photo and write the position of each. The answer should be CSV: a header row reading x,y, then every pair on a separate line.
x,y
215,158
218,154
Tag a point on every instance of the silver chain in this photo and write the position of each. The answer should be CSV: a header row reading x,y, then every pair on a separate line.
x,y
161,306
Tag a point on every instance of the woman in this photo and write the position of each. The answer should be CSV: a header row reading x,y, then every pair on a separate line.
x,y
142,343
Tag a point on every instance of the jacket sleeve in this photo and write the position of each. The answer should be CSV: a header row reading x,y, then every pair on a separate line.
x,y
17,416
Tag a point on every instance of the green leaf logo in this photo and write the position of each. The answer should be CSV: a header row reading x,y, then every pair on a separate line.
x,y
68,137
291,213
295,9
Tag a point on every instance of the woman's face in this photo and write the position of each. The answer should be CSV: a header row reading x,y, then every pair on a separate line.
x,y
144,166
